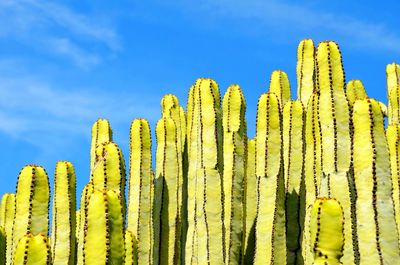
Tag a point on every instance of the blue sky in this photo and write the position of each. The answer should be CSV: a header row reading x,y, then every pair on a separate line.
x,y
63,64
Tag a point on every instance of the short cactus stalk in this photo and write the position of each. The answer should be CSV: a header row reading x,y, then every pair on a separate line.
x,y
101,133
31,203
104,229
376,224
393,92
270,241
63,216
305,70
3,245
7,214
250,202
235,131
293,134
326,228
32,250
355,91
168,192
205,236
141,182
130,249
334,116
279,84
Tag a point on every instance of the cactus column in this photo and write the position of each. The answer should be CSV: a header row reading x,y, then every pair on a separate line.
x,y
305,70
32,250
64,216
101,133
270,246
234,126
7,212
393,92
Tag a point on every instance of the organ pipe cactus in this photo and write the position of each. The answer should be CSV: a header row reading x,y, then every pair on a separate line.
x,y
293,160
305,70
104,229
3,244
64,216
393,91
31,203
7,212
376,224
270,245
334,117
326,229
130,249
235,131
101,133
140,211
354,91
32,250
279,84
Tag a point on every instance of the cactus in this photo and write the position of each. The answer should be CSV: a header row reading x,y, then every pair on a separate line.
x,y
374,204
354,91
270,241
130,249
101,133
393,91
293,134
140,209
326,228
305,70
168,191
235,130
250,199
64,220
7,215
31,203
279,84
32,250
104,232
3,245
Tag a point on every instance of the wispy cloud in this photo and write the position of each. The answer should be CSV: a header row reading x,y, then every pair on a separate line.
x,y
53,28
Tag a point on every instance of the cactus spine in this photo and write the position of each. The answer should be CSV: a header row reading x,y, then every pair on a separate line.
x,y
270,245
293,134
305,70
64,216
140,215
374,204
31,203
32,250
326,228
393,92
104,232
337,179
7,212
235,131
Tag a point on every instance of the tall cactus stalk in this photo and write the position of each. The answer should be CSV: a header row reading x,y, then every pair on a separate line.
x,y
250,203
31,203
205,237
376,225
235,131
293,158
140,211
279,84
326,228
305,70
104,229
334,114
32,250
64,216
168,189
393,92
270,245
101,133
7,214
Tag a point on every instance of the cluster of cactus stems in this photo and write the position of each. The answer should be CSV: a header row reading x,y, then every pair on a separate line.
x,y
318,184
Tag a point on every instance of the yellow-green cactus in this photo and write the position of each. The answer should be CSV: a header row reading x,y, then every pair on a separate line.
x,y
270,245
7,214
31,203
293,160
130,249
326,228
354,91
64,216
334,116
305,70
279,84
250,203
32,250
205,236
168,192
376,225
3,244
140,211
393,138
235,131
393,91
101,133
104,229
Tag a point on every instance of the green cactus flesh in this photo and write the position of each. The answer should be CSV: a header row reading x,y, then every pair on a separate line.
x,y
279,84
7,213
101,133
32,250
393,92
305,70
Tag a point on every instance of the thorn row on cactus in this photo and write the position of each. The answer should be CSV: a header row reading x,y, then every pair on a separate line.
x,y
32,249
305,70
101,132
